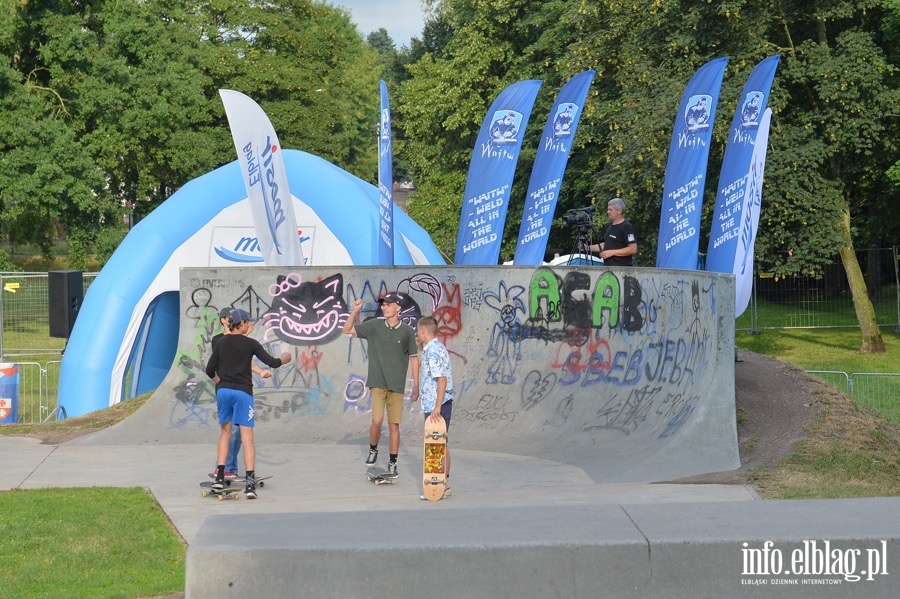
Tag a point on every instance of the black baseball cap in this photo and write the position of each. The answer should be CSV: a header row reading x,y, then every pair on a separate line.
x,y
391,298
238,316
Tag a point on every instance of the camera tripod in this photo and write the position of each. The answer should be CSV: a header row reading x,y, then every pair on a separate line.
x,y
583,239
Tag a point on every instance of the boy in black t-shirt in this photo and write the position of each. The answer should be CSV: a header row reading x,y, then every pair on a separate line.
x,y
229,367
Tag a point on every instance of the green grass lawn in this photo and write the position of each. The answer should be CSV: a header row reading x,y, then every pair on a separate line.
x,y
93,542
837,349
854,447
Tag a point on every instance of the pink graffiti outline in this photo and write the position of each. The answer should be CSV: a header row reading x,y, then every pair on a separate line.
x,y
276,289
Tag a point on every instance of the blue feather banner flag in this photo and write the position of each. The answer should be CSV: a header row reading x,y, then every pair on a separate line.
x,y
749,225
679,221
491,171
733,180
385,184
549,167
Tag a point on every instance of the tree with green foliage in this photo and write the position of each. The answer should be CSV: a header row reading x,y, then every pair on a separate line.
x,y
441,107
395,70
46,176
834,101
392,71
110,107
307,65
6,262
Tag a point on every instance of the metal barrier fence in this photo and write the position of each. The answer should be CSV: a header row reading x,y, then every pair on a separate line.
x,y
825,300
49,406
37,391
836,378
878,390
25,340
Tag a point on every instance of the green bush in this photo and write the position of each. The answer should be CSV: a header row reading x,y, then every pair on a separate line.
x,y
107,241
6,262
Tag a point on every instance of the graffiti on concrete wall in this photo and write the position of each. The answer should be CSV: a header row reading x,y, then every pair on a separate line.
x,y
591,351
305,312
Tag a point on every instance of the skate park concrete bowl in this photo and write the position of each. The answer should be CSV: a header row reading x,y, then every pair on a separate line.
x,y
627,375
577,391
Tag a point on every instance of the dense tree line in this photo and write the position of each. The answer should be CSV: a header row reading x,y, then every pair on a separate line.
x,y
831,174
109,107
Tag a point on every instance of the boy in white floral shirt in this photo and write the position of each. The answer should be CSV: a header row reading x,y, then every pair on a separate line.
x,y
435,379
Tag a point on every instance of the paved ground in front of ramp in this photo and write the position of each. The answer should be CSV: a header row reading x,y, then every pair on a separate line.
x,y
695,540
327,478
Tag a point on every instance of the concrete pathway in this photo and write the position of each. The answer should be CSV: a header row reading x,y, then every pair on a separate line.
x,y
325,478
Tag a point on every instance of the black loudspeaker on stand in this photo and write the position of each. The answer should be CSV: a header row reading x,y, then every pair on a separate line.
x,y
66,291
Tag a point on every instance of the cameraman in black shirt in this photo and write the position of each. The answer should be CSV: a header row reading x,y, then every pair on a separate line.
x,y
620,239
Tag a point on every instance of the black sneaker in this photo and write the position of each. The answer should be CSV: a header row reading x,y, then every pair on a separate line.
x,y
373,457
218,484
392,470
250,490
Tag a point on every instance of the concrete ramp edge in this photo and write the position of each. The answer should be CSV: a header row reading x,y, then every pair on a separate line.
x,y
732,549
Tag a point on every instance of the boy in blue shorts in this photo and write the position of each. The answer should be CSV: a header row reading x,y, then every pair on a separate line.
x,y
229,368
234,445
435,380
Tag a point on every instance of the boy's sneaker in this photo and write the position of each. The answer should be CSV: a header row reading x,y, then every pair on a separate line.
x,y
218,484
373,457
250,490
392,469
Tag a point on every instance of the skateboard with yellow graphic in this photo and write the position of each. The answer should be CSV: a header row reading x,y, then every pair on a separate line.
x,y
434,468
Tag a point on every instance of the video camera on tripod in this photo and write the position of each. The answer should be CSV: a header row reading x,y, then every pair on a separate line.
x,y
582,220
579,217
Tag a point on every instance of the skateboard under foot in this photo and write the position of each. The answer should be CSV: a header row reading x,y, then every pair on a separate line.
x,y
229,492
380,476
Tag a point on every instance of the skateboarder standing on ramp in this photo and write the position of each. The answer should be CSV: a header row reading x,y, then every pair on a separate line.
x,y
392,351
234,446
229,368
436,382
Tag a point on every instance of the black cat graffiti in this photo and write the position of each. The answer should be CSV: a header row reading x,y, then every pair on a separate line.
x,y
306,313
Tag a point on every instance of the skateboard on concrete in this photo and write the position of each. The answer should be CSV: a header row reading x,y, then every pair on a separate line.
x,y
241,479
434,468
380,476
229,492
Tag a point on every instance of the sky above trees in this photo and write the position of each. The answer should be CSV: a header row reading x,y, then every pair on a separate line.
x,y
402,19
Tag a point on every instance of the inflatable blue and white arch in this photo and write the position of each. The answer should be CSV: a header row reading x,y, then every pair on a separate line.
x,y
126,334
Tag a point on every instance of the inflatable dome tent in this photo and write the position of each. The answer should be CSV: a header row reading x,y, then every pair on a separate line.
x,y
126,334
